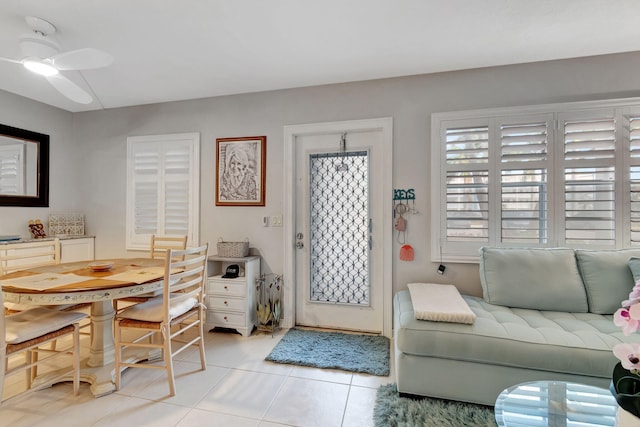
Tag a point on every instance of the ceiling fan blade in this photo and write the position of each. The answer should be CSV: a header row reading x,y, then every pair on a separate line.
x,y
10,60
69,89
81,59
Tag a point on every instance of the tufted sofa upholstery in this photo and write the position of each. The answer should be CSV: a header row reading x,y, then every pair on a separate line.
x,y
510,345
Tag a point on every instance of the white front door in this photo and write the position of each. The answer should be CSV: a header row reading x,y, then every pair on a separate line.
x,y
338,230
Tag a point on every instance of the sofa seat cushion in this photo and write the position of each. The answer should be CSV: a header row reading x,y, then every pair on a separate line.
x,y
575,343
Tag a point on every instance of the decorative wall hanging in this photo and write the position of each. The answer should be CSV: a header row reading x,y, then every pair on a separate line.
x,y
241,171
401,199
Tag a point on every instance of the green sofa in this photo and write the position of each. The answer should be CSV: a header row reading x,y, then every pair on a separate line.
x,y
546,314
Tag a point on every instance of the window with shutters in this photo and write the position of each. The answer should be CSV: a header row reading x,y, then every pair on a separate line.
x,y
539,176
163,173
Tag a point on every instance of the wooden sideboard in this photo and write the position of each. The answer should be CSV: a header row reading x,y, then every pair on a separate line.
x,y
72,249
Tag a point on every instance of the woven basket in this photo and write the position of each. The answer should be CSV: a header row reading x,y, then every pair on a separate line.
x,y
233,249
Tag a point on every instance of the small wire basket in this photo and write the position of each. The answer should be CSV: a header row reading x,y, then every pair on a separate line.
x,y
233,249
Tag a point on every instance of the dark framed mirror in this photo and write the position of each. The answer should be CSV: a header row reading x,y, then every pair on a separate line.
x,y
24,167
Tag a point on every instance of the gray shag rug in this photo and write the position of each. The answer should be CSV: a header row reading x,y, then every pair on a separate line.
x,y
355,353
391,410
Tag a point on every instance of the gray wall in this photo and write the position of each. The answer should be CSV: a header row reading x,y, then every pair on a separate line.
x,y
92,174
64,196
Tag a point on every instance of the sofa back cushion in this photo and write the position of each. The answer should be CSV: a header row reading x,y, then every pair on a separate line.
x,y
607,277
539,279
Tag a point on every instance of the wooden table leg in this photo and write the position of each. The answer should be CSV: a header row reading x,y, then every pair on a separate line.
x,y
102,345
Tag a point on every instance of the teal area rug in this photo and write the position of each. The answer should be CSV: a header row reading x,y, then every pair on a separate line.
x,y
355,353
392,410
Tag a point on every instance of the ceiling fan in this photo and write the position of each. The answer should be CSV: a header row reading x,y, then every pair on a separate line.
x,y
41,55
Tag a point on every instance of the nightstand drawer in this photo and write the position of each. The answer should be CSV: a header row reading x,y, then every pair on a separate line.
x,y
221,303
225,319
227,288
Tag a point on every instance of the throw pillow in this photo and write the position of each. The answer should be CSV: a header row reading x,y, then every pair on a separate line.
x,y
634,266
539,279
607,277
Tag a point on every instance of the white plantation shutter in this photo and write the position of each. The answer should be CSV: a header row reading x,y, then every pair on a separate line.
x,y
468,145
634,205
634,179
176,190
634,137
163,188
589,206
589,148
468,206
523,142
536,176
524,160
146,180
467,184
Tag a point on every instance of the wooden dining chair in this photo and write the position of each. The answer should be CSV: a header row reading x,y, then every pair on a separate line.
x,y
20,256
161,244
157,250
26,333
36,253
164,319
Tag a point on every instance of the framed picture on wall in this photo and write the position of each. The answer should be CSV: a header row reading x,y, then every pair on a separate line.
x,y
241,171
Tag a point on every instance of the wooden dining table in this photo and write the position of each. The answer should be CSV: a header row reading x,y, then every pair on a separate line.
x,y
77,283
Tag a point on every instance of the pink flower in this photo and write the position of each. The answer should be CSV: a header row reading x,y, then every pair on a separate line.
x,y
629,322
634,296
629,355
628,319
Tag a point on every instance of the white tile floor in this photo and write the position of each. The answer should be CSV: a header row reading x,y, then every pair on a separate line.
x,y
238,389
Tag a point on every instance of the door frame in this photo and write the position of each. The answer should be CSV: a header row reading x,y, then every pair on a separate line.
x,y
384,125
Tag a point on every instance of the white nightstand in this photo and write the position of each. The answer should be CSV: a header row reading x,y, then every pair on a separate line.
x,y
231,303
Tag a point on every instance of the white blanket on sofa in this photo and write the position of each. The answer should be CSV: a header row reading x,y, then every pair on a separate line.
x,y
440,303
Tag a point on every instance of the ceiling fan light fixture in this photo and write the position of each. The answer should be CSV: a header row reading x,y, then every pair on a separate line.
x,y
41,55
39,67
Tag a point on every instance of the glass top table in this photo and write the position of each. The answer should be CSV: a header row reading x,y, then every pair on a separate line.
x,y
555,404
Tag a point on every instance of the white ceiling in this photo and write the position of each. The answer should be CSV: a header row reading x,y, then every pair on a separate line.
x,y
167,50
